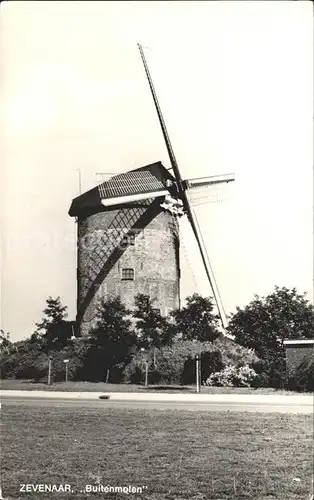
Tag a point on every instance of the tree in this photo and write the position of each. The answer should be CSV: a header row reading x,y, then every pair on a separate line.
x,y
264,324
53,332
112,338
196,320
6,345
151,327
7,352
55,312
150,324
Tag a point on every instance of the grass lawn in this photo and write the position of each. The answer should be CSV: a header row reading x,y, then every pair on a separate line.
x,y
177,455
28,385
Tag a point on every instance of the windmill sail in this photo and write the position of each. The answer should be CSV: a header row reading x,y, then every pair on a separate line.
x,y
182,187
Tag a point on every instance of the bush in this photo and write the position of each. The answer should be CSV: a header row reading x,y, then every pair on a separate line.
x,y
234,354
175,364
270,371
134,372
158,377
210,362
8,365
232,376
28,361
171,361
25,362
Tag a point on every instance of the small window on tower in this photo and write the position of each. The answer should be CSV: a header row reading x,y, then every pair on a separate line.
x,y
128,240
127,274
131,239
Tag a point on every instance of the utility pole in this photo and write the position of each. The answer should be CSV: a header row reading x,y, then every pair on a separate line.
x,y
146,356
197,373
66,362
146,373
49,369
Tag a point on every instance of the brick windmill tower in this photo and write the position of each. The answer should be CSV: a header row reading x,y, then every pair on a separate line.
x,y
128,235
127,247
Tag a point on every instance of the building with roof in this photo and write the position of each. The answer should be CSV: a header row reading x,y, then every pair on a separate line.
x,y
126,249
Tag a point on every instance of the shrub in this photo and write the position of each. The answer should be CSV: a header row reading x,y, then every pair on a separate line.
x,y
7,365
134,372
171,360
270,372
231,376
158,377
210,362
26,362
175,364
234,354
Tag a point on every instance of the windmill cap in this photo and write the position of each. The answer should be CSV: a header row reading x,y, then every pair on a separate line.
x,y
149,178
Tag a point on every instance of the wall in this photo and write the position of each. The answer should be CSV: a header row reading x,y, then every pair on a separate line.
x,y
101,258
295,354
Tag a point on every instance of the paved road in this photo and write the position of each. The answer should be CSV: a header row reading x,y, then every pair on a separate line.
x,y
157,405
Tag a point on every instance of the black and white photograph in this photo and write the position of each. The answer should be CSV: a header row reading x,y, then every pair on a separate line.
x,y
157,250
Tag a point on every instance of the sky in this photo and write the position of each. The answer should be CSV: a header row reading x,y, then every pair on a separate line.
x,y
235,83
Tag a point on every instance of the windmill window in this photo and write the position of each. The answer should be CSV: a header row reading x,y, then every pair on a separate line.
x,y
127,274
128,240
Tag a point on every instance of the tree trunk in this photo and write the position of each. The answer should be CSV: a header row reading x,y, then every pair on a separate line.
x,y
107,375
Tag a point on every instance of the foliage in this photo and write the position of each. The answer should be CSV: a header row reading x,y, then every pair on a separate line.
x,y
76,353
263,325
215,356
170,360
24,361
232,376
175,363
150,324
112,352
6,345
233,353
111,340
196,320
54,313
302,379
210,361
53,332
134,372
28,361
6,355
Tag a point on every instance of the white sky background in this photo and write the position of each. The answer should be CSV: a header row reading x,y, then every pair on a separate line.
x,y
235,84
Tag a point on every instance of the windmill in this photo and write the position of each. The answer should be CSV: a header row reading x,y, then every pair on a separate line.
x,y
128,208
